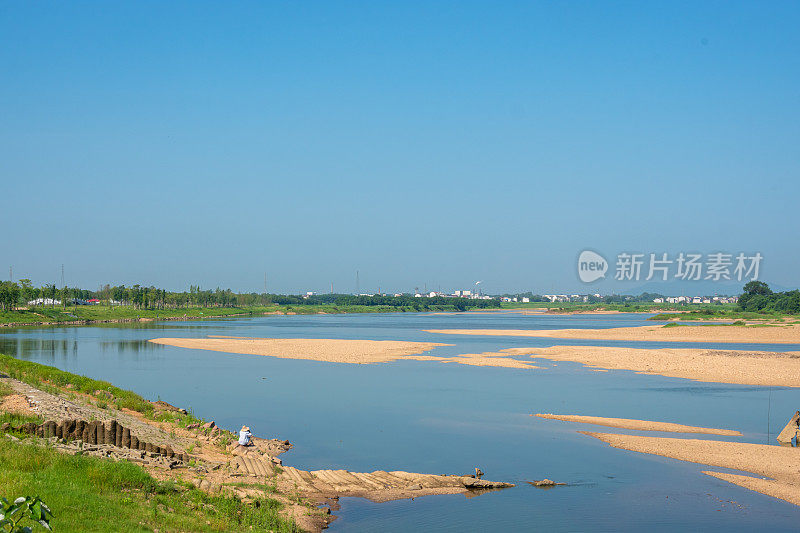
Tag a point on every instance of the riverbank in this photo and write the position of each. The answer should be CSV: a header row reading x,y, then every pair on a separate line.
x,y
190,476
82,315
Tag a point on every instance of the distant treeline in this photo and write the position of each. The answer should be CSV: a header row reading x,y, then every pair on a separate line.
x,y
13,294
759,298
390,301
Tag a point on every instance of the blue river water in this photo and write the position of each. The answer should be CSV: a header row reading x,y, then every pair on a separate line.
x,y
449,418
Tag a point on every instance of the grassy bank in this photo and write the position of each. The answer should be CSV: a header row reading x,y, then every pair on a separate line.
x,y
633,307
100,393
48,378
73,313
727,314
101,313
92,494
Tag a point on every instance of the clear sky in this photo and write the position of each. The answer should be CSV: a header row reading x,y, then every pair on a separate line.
x,y
171,143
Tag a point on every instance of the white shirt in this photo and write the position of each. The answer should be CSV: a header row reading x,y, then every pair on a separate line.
x,y
244,437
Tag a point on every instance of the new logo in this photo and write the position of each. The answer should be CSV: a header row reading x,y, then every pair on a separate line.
x,y
591,266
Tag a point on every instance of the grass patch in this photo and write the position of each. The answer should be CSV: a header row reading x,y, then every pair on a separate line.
x,y
724,314
92,494
42,375
5,390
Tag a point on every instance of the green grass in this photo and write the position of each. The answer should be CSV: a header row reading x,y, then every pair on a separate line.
x,y
58,314
737,323
16,419
93,494
631,307
120,312
731,313
45,377
5,390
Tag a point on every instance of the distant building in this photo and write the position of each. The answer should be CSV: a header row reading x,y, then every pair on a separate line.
x,y
44,301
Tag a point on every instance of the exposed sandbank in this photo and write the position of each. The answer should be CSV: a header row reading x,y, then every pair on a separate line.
x,y
329,350
562,311
342,350
789,334
640,425
776,462
780,369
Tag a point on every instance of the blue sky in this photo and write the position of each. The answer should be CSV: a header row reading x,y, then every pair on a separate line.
x,y
432,143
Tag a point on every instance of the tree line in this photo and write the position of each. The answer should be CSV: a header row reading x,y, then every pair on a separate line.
x,y
759,298
13,295
16,294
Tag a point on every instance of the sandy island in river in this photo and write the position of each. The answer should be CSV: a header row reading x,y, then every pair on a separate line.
x,y
789,334
341,350
720,366
781,369
776,462
640,425
330,350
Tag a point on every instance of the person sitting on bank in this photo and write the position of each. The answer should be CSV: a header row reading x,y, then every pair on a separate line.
x,y
245,436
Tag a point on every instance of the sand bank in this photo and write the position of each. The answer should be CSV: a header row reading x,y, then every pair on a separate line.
x,y
342,351
561,311
329,350
640,425
789,334
781,369
776,462
498,359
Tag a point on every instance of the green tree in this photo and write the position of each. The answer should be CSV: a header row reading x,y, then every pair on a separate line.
x,y
757,287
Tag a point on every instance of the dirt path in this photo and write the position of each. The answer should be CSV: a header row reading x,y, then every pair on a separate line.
x,y
56,408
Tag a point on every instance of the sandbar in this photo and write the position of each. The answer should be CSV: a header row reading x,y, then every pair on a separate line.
x,y
342,350
788,334
640,425
779,369
776,462
328,350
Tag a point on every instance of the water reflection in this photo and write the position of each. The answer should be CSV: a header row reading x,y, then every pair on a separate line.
x,y
129,346
52,348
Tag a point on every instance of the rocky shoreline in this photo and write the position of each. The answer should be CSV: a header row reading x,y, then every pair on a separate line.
x,y
209,457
